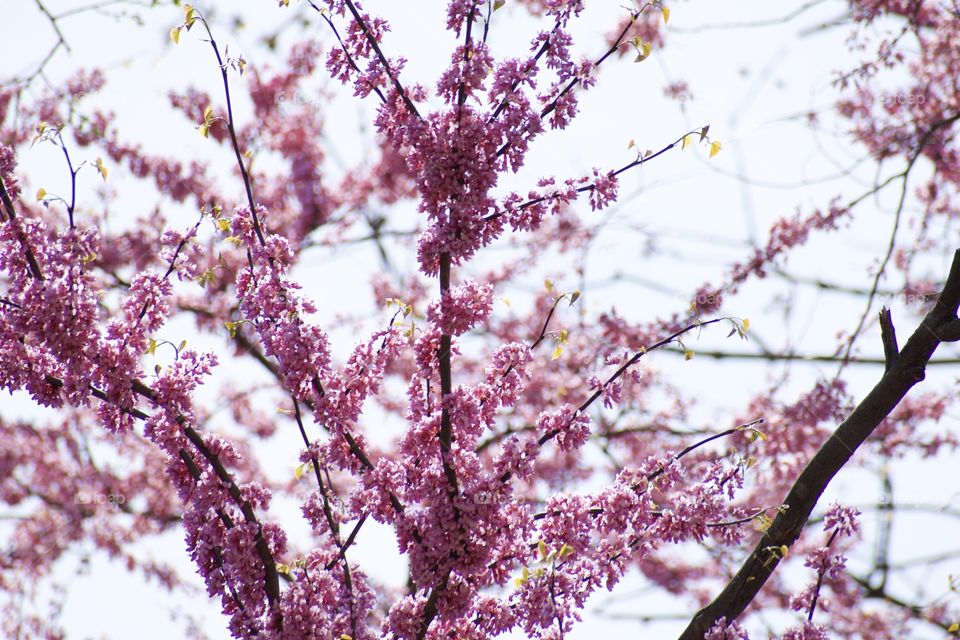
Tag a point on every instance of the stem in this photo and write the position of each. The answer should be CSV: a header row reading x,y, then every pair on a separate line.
x,y
446,381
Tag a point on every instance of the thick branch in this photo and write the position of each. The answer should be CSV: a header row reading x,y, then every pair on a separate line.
x,y
907,370
446,382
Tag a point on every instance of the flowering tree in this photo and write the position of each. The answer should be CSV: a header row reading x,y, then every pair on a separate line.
x,y
491,474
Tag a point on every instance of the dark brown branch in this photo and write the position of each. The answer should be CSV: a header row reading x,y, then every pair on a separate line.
x,y
343,47
231,128
950,331
590,187
11,216
907,370
351,441
383,60
888,336
332,522
270,366
540,338
347,543
551,107
272,584
271,577
446,382
625,366
71,206
225,518
430,608
656,473
819,584
516,83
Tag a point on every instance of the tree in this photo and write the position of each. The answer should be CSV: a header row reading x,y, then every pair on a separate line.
x,y
525,459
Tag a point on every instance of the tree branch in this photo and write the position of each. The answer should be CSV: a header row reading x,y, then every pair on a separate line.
x,y
888,336
799,357
907,370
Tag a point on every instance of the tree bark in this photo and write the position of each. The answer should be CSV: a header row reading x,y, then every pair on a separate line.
x,y
904,370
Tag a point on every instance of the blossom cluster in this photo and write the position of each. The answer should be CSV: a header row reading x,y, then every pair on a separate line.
x,y
478,482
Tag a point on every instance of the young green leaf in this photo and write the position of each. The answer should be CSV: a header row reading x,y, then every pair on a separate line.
x,y
101,168
643,51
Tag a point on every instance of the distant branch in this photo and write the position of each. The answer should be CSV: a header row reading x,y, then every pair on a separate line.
x,y
799,357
